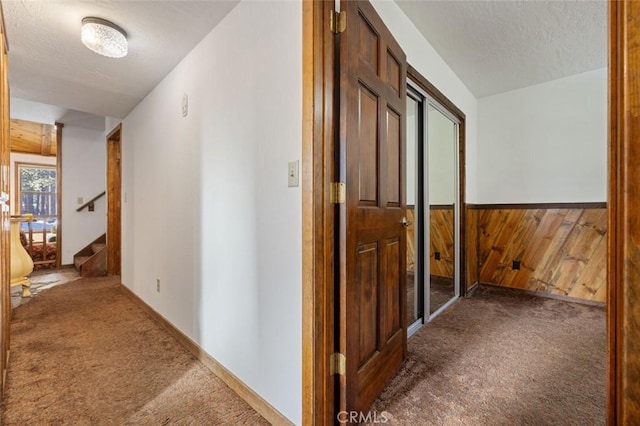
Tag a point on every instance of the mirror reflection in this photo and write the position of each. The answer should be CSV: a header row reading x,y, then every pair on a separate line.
x,y
441,137
432,191
413,136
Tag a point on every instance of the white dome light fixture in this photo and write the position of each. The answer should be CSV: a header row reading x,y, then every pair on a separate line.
x,y
104,37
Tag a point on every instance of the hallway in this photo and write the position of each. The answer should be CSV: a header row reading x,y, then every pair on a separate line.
x,y
84,353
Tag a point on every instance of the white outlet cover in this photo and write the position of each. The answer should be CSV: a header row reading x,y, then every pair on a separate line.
x,y
185,105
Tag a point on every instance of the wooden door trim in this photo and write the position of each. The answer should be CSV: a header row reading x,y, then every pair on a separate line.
x,y
114,207
5,263
623,266
436,94
59,127
318,170
614,77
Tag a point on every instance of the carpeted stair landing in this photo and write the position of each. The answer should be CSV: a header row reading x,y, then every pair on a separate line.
x,y
84,353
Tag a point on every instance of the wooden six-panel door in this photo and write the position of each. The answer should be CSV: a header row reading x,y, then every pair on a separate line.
x,y
372,248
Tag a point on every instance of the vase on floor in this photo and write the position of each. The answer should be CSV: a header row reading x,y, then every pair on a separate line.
x,y
21,262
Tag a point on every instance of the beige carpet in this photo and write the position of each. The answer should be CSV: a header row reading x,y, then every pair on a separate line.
x,y
502,357
43,279
83,353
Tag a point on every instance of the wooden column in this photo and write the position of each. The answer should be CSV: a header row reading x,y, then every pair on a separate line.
x,y
624,214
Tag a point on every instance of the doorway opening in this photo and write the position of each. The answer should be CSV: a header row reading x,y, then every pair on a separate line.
x,y
114,205
36,190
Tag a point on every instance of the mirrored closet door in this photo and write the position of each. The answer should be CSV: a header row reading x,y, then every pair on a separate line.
x,y
433,260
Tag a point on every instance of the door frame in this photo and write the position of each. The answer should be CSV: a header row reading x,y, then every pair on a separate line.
x,y
623,249
59,127
114,200
318,214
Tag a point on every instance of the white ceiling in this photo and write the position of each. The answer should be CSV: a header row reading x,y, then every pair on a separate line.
x,y
50,114
49,64
493,46
496,46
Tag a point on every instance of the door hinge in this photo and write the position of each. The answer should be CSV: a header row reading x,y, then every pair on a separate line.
x,y
338,193
338,21
338,364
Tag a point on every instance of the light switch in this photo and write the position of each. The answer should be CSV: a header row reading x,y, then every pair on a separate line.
x,y
185,105
293,173
80,200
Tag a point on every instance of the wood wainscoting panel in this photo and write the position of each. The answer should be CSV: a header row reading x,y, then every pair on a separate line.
x,y
471,246
562,251
441,241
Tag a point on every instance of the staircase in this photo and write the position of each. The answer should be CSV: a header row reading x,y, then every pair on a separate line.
x,y
91,261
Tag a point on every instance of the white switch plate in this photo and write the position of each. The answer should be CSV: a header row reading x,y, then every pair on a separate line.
x,y
80,200
293,173
185,105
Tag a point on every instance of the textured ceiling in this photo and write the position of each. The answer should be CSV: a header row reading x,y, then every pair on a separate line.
x,y
493,46
51,114
496,46
49,64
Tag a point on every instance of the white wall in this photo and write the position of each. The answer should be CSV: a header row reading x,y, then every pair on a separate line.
x,y
83,175
545,143
207,209
84,170
17,157
423,57
441,142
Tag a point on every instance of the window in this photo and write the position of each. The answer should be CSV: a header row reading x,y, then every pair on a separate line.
x,y
37,190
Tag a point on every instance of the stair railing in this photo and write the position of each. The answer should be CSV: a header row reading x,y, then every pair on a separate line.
x,y
91,202
48,238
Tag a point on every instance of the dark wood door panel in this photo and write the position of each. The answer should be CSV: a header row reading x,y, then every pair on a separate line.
x,y
368,132
367,296
393,158
390,309
372,238
368,49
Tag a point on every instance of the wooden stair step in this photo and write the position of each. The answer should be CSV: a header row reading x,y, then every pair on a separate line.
x,y
96,247
78,261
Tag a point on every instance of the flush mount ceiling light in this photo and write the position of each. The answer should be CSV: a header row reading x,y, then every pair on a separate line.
x,y
104,37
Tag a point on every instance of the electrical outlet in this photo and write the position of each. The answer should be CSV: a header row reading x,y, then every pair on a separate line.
x,y
158,285
515,265
437,255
